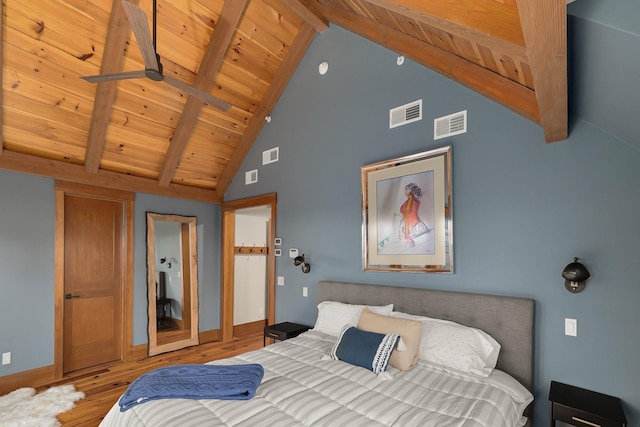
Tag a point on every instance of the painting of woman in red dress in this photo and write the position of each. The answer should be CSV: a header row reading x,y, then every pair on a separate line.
x,y
404,208
411,226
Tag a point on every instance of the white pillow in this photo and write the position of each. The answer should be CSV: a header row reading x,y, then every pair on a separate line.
x,y
456,346
333,315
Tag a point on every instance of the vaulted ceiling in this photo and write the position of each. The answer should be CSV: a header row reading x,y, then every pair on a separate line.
x,y
153,137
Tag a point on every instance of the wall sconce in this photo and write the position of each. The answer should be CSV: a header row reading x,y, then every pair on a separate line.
x,y
299,260
575,275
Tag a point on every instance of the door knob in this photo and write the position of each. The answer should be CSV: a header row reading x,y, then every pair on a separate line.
x,y
69,296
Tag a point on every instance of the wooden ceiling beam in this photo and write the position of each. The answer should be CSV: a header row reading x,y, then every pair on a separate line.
x,y
280,81
512,48
494,18
308,13
230,16
544,24
33,165
112,59
506,92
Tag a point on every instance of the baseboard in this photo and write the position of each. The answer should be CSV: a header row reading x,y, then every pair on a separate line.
x,y
46,375
249,328
139,352
210,336
32,378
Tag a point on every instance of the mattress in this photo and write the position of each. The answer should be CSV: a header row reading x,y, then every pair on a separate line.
x,y
299,388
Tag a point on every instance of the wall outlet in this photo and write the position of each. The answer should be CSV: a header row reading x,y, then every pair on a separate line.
x,y
6,358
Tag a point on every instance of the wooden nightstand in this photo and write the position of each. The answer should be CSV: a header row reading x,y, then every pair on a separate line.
x,y
580,407
283,331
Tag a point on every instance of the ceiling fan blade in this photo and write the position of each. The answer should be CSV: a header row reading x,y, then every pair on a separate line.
x,y
115,76
190,90
140,26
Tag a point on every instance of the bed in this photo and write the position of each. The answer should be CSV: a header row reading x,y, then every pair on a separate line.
x,y
304,386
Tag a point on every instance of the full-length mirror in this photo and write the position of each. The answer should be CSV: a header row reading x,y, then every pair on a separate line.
x,y
172,282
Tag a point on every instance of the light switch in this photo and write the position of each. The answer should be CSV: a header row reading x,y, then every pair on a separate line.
x,y
571,327
305,291
280,280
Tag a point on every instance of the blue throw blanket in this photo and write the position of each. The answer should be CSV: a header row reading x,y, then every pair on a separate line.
x,y
194,382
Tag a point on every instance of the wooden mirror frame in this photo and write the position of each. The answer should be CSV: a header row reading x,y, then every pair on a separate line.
x,y
190,258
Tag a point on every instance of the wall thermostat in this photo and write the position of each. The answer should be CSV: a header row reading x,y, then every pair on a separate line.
x,y
293,253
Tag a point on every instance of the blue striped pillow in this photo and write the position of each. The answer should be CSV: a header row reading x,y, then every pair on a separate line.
x,y
369,350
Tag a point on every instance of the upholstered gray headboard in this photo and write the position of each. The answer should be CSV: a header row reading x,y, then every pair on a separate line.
x,y
509,320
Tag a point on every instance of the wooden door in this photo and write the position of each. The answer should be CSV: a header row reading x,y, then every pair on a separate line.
x,y
94,254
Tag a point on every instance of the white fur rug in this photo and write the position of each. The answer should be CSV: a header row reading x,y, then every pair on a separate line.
x,y
24,408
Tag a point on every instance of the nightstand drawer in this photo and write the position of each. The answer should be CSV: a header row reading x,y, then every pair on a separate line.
x,y
284,331
580,418
276,335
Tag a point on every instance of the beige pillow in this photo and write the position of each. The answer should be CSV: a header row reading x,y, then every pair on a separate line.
x,y
409,330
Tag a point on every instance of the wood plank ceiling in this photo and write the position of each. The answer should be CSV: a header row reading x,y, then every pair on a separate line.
x,y
147,136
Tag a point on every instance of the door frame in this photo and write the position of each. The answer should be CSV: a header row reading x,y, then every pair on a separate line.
x,y
228,254
126,199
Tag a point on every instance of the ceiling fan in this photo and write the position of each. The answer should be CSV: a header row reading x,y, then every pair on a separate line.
x,y
152,65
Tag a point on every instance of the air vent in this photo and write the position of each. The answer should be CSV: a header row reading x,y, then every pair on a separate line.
x,y
270,156
408,113
251,177
450,125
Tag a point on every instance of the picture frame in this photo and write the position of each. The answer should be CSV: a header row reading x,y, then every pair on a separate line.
x,y
407,213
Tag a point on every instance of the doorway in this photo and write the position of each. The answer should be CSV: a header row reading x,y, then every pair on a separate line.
x,y
94,247
230,211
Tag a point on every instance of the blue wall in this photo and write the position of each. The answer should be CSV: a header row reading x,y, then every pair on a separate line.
x,y
27,256
522,208
27,243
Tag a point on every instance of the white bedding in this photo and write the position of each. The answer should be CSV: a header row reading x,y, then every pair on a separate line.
x,y
301,389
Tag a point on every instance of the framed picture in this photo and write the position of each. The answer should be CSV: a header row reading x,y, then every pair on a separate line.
x,y
407,216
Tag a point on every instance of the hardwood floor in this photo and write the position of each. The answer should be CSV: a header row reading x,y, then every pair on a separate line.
x,y
105,385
